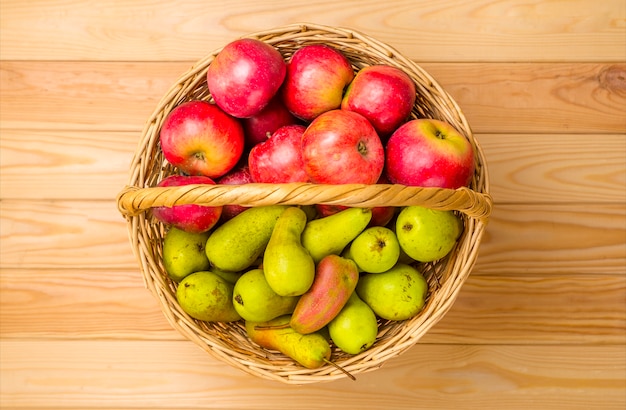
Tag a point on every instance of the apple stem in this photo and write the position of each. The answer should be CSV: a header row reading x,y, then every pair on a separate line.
x,y
362,148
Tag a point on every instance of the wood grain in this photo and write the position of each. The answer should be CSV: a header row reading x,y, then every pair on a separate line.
x,y
540,239
523,168
524,308
454,30
176,374
498,98
539,324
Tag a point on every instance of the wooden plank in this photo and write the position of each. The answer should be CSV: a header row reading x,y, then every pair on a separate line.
x,y
528,308
497,98
520,238
568,168
523,168
454,30
553,238
172,374
40,164
63,234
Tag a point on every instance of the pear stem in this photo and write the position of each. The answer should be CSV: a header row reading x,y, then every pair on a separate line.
x,y
347,373
271,327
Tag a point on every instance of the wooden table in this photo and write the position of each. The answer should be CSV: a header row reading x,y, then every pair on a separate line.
x,y
541,322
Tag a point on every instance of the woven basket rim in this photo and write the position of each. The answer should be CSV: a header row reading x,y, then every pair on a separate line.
x,y
141,194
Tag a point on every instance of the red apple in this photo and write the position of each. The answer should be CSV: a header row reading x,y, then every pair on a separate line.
x,y
238,176
201,139
429,153
279,159
383,94
316,78
260,126
342,147
189,218
244,76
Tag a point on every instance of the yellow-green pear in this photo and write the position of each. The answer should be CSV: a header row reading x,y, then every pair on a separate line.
x,y
311,351
425,234
355,328
183,253
255,300
207,296
289,268
375,250
236,244
397,294
331,234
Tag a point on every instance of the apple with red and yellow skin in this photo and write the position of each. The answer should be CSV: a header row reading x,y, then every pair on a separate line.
x,y
201,139
279,158
429,153
383,94
316,77
342,147
245,76
260,126
238,176
189,218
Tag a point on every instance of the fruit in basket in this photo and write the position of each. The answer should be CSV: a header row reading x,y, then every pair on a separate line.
x,y
183,253
425,234
279,158
397,294
207,296
316,78
245,76
230,277
429,153
383,94
189,217
260,126
255,300
237,176
201,139
335,280
236,244
311,351
288,266
331,234
355,328
342,147
375,250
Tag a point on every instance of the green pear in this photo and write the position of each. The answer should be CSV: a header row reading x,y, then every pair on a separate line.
x,y
355,328
311,351
425,234
397,294
288,266
236,244
255,300
207,296
375,250
230,277
331,234
183,253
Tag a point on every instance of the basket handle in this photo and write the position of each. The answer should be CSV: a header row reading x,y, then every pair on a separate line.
x,y
133,200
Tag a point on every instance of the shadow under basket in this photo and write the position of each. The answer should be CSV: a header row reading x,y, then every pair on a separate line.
x,y
228,341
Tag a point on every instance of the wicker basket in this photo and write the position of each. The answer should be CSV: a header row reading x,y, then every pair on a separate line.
x,y
228,342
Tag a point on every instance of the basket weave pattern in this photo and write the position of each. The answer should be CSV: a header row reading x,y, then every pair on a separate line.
x,y
228,341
